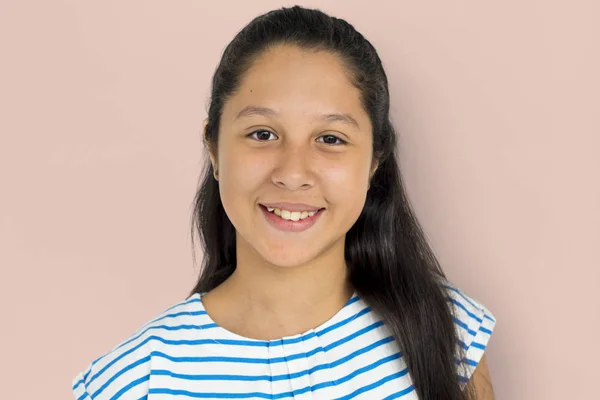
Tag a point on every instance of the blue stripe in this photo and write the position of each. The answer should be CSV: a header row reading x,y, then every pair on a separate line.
x,y
79,382
478,345
190,359
361,351
354,335
89,369
400,393
463,325
470,362
245,378
344,322
83,396
129,386
372,386
352,300
469,313
199,342
485,330
184,327
461,294
187,393
121,372
371,367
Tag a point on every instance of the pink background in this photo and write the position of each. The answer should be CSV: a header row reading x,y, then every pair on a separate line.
x,y
100,150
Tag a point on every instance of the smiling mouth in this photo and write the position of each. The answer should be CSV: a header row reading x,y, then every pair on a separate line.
x,y
289,215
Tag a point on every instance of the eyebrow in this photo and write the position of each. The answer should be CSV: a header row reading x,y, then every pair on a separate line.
x,y
268,112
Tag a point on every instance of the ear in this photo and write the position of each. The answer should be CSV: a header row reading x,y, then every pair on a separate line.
x,y
209,145
374,166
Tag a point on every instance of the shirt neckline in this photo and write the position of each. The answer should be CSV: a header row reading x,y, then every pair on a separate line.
x,y
352,305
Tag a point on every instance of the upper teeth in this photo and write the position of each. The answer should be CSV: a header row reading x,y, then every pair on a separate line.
x,y
291,215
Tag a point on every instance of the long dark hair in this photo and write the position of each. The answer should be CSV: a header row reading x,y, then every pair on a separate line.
x,y
391,265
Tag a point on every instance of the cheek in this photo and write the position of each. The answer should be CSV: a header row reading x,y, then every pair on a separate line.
x,y
346,186
241,175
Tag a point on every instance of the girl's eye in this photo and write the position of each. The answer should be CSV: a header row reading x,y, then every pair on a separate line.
x,y
331,139
261,135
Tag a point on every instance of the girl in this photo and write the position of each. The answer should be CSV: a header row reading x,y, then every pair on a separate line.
x,y
317,281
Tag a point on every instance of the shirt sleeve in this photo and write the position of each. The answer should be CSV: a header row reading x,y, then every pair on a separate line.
x,y
474,325
79,388
122,373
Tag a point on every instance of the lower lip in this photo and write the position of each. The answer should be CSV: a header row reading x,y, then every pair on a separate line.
x,y
289,225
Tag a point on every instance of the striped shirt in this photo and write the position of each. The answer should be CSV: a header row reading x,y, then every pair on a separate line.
x,y
353,355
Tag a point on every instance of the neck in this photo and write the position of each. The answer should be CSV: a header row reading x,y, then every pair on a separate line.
x,y
266,301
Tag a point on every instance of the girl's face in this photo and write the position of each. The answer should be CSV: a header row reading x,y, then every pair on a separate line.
x,y
294,157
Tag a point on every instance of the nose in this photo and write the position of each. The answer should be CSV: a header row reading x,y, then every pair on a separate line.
x,y
293,169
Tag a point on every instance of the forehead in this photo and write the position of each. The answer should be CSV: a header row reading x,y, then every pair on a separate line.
x,y
298,82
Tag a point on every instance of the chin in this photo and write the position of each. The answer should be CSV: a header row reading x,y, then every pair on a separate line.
x,y
288,259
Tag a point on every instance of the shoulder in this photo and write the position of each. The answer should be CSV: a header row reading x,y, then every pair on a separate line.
x,y
126,367
474,324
